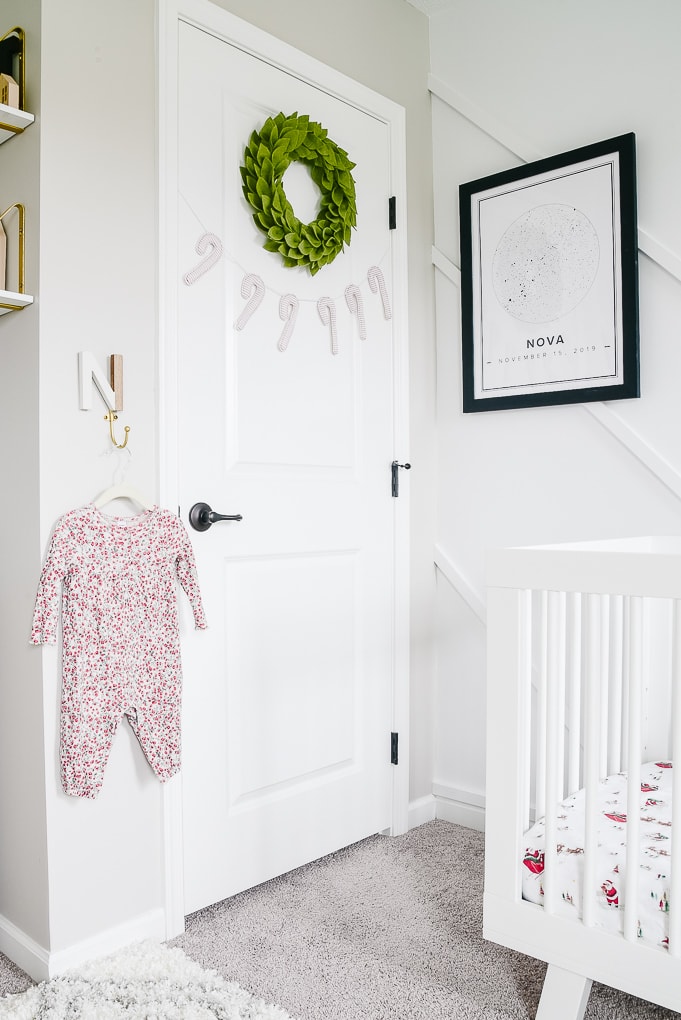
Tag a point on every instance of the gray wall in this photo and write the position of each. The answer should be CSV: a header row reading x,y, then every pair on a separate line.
x,y
97,293
23,833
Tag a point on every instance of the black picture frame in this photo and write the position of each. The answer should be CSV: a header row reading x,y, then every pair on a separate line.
x,y
549,280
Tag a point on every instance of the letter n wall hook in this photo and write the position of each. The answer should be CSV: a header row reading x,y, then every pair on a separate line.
x,y
111,390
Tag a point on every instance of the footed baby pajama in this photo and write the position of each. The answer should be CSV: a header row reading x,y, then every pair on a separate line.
x,y
116,579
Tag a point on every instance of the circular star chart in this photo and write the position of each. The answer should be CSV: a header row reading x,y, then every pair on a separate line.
x,y
545,263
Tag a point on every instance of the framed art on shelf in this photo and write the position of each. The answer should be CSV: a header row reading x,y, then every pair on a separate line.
x,y
549,280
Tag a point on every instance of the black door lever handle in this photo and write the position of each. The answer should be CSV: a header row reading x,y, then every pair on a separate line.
x,y
201,517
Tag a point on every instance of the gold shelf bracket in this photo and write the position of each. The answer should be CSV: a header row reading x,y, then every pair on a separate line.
x,y
22,239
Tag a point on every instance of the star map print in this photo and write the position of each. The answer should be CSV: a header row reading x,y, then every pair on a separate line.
x,y
545,263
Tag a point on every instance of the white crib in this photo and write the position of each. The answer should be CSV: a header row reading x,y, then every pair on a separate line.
x,y
584,682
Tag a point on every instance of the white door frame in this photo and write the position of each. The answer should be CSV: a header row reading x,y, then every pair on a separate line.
x,y
233,30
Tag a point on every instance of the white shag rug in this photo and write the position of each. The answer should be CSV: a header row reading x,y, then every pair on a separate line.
x,y
145,981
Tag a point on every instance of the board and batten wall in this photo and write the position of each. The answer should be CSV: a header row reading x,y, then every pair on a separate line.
x,y
511,83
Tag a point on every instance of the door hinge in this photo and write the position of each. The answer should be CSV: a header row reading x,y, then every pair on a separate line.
x,y
393,749
392,213
394,477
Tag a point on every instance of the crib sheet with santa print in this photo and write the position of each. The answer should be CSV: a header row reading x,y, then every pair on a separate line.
x,y
654,857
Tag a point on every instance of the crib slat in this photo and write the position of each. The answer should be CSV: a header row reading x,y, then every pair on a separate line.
x,y
615,760
574,683
540,790
554,626
626,670
560,680
525,693
591,756
604,668
675,890
633,827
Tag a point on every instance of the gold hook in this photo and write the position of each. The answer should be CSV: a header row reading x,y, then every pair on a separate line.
x,y
111,417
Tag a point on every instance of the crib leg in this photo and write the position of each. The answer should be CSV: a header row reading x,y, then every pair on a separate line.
x,y
564,995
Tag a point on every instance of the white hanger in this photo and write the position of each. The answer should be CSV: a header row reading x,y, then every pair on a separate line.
x,y
122,492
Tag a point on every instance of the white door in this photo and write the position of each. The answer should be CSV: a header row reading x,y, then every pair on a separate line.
x,y
288,698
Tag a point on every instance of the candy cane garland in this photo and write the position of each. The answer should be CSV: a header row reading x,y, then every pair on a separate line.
x,y
253,288
253,283
288,310
205,242
353,299
326,307
376,282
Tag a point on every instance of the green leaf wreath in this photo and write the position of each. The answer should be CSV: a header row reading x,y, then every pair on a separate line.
x,y
270,151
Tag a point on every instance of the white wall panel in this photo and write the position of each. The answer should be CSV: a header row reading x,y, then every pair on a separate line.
x,y
541,79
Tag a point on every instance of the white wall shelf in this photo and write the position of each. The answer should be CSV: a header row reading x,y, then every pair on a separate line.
x,y
12,301
13,121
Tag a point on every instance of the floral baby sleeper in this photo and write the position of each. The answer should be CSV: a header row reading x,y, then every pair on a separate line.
x,y
116,579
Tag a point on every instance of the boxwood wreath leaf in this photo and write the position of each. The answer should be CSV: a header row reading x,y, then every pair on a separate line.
x,y
281,141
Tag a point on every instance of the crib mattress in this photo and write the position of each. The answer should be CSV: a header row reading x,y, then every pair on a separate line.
x,y
654,858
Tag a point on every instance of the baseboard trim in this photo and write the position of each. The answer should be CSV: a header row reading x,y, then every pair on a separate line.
x,y
41,965
462,807
151,925
459,806
421,810
23,950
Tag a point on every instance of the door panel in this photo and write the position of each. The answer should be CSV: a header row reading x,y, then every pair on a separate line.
x,y
282,733
288,695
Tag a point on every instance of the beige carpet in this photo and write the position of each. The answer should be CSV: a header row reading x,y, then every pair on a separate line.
x,y
389,928
12,979
384,929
